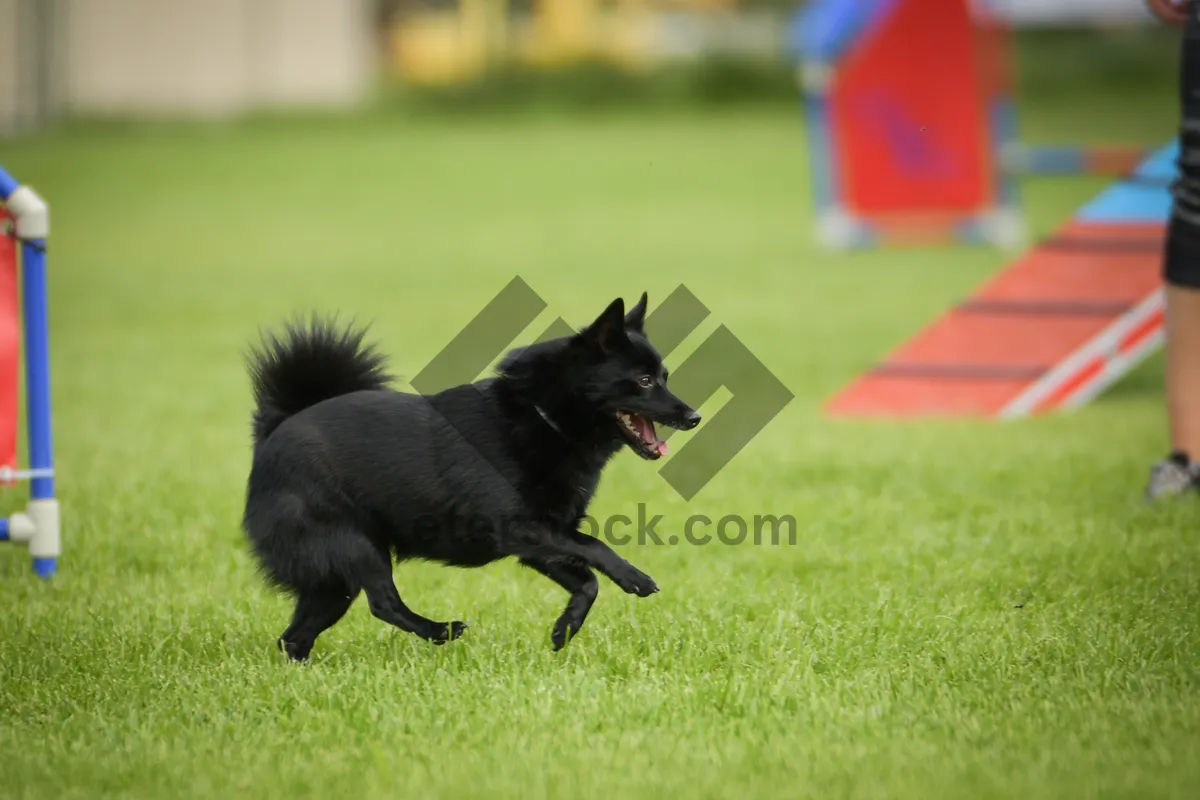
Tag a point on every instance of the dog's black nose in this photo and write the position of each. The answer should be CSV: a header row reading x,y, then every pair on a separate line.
x,y
690,420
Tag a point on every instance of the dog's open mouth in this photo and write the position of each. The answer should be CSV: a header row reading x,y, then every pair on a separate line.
x,y
641,435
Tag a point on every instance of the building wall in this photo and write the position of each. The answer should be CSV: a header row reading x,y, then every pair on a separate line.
x,y
214,57
195,58
25,94
155,56
313,51
10,106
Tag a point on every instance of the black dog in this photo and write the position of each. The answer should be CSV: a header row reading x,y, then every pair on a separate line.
x,y
348,473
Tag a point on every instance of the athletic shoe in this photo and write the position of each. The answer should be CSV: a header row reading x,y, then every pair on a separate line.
x,y
1174,475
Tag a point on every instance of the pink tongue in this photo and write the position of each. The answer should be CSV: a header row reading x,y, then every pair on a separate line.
x,y
646,429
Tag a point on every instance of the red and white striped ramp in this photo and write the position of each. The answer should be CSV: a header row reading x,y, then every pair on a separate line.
x,y
1053,330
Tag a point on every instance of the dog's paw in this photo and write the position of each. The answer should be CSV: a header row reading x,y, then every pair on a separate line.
x,y
564,630
447,632
634,581
296,651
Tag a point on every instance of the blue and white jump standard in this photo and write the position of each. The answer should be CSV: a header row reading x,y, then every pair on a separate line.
x,y
38,525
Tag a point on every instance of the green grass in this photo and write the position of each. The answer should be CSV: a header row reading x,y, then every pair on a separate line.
x,y
883,655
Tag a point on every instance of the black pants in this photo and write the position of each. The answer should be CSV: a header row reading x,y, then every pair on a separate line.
x,y
1181,265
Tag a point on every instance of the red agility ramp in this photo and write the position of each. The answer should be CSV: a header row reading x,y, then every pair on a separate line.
x,y
1053,330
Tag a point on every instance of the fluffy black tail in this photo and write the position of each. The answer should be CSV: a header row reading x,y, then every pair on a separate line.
x,y
308,364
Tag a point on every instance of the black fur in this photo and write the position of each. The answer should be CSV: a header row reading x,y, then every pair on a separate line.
x,y
348,474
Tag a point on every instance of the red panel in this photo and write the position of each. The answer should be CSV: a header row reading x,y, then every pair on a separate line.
x,y
910,107
10,346
1083,276
999,340
890,396
994,46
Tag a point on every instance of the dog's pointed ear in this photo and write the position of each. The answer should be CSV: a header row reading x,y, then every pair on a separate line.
x,y
609,328
636,317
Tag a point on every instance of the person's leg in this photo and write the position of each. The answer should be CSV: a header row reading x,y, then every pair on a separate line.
x,y
1183,367
1180,472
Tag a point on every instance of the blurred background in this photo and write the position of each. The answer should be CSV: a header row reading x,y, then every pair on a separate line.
x,y
62,59
355,153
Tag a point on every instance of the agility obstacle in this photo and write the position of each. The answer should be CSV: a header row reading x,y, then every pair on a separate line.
x,y
912,124
24,227
1053,330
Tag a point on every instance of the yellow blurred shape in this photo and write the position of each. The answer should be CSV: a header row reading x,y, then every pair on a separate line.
x,y
449,47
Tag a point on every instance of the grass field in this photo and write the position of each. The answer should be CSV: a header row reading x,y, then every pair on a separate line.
x,y
882,655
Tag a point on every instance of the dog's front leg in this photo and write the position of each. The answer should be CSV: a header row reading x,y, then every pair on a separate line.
x,y
538,544
574,576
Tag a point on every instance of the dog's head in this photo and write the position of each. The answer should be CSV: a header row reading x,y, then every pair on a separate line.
x,y
625,380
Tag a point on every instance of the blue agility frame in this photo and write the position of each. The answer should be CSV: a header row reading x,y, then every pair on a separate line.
x,y
38,526
819,37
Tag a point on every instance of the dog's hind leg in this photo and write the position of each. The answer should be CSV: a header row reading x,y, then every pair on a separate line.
x,y
574,576
386,605
317,610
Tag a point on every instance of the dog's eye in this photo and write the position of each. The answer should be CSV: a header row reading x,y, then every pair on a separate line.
x,y
646,381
